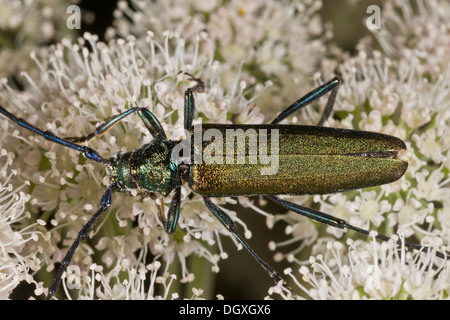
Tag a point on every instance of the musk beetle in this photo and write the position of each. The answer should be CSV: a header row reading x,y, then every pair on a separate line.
x,y
303,160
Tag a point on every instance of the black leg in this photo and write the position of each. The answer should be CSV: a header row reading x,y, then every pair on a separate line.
x,y
341,224
189,104
309,213
104,205
329,106
174,212
169,223
332,86
229,224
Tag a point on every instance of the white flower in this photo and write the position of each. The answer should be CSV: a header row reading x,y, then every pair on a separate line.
x,y
76,91
374,271
18,250
277,41
402,91
255,59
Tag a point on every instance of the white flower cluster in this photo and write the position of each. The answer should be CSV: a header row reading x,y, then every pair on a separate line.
x,y
253,55
17,236
401,90
80,89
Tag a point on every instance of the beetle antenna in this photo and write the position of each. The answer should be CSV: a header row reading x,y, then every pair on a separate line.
x,y
89,153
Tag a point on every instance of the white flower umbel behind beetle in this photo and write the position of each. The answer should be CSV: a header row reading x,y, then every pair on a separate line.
x,y
276,47
373,270
260,55
402,91
19,256
82,85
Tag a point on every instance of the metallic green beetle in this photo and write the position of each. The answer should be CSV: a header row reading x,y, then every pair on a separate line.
x,y
308,160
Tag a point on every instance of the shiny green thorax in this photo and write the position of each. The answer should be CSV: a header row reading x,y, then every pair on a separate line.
x,y
150,168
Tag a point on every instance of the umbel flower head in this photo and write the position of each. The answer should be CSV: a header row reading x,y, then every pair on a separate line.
x,y
251,57
16,261
98,83
397,91
84,83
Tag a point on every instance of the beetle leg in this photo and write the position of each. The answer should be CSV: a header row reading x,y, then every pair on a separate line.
x,y
149,119
105,203
231,227
309,213
189,104
331,85
341,224
174,212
